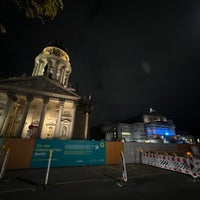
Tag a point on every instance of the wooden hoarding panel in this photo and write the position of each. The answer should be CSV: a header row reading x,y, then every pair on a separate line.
x,y
20,153
113,152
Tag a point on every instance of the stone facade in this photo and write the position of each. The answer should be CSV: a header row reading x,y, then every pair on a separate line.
x,y
42,105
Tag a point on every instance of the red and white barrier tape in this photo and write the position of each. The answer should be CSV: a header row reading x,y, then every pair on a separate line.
x,y
188,165
123,166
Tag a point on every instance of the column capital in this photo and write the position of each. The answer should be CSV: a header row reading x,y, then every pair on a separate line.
x,y
61,102
45,100
12,96
76,104
29,98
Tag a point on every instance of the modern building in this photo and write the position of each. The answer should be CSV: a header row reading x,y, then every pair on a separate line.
x,y
43,105
150,127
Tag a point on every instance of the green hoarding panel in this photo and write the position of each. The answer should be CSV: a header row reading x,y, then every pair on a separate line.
x,y
68,153
1,142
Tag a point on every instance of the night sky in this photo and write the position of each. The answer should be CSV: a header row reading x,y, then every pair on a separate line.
x,y
131,55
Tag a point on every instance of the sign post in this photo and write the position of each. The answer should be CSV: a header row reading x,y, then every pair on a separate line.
x,y
48,167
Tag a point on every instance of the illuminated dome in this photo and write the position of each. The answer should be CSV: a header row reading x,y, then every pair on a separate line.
x,y
53,62
56,52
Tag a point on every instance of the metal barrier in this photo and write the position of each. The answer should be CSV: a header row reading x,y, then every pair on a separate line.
x,y
186,165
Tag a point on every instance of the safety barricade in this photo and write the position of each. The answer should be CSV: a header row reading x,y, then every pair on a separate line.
x,y
186,165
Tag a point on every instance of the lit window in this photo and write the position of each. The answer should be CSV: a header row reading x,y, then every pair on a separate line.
x,y
126,134
160,131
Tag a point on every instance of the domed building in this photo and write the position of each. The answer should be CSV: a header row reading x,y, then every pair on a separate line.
x,y
42,105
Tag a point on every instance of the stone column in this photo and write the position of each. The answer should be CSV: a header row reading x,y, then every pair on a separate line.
x,y
11,98
71,132
88,108
57,129
86,125
10,130
25,112
42,116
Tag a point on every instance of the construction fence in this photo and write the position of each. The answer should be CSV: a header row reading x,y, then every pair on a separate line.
x,y
187,165
34,153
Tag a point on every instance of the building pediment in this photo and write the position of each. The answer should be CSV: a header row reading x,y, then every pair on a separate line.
x,y
37,86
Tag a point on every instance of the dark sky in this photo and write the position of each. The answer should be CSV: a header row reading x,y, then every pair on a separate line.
x,y
142,53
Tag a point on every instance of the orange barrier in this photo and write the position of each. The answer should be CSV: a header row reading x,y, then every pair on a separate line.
x,y
113,152
20,152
